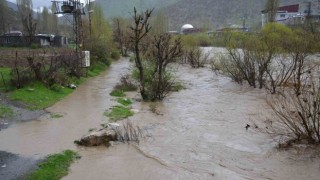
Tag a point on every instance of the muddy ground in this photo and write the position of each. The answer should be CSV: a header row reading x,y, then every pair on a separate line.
x,y
198,133
20,112
15,167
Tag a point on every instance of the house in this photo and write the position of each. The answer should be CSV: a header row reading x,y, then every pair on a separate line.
x,y
294,14
44,40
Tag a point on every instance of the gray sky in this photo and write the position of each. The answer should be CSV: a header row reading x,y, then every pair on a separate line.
x,y
37,3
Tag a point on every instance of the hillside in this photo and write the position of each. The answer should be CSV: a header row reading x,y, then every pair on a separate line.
x,y
217,13
123,8
200,13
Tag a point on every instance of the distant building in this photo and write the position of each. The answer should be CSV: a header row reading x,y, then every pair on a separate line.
x,y
189,29
294,14
13,33
15,38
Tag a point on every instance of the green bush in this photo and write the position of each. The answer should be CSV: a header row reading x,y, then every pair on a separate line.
x,y
34,46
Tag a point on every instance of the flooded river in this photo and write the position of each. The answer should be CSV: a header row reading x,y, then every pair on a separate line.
x,y
200,134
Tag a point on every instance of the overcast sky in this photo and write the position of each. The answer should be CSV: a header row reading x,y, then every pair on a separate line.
x,y
39,3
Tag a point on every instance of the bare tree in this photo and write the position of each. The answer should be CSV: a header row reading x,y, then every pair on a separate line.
x,y
4,17
25,8
164,52
196,57
298,117
121,35
140,29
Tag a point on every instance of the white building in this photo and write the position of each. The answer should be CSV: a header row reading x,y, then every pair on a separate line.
x,y
295,13
186,27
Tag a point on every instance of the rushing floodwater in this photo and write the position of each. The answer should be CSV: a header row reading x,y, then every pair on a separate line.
x,y
200,135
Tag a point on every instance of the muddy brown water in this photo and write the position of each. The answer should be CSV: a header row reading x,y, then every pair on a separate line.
x,y
200,135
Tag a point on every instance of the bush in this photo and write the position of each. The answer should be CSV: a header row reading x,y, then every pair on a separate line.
x,y
297,117
34,46
126,84
115,55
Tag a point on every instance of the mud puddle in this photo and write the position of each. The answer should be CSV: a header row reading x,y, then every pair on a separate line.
x,y
200,135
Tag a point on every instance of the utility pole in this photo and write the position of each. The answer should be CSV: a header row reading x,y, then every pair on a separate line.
x,y
76,9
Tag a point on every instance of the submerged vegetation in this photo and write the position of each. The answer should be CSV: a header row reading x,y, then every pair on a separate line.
x,y
280,60
117,93
124,101
118,113
54,167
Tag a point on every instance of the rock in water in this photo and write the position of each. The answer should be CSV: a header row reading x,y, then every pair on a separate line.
x,y
98,137
72,86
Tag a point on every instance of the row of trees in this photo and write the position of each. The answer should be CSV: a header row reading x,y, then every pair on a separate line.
x,y
26,19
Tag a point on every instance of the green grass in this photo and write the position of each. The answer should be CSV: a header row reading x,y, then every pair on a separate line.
x,y
37,96
4,82
124,101
5,111
97,68
117,93
54,167
118,113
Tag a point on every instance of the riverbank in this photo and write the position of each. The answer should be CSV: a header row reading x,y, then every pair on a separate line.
x,y
81,110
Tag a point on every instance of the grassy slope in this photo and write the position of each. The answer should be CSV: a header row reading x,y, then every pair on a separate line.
x,y
37,96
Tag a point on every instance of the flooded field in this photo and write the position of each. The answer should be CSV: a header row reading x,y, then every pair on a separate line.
x,y
199,133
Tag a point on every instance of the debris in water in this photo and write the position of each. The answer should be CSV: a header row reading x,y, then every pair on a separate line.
x,y
114,124
247,127
3,166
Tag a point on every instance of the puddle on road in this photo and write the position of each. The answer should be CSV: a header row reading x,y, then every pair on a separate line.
x,y
200,135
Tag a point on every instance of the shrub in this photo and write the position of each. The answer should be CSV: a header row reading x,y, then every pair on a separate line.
x,y
115,55
126,84
297,117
